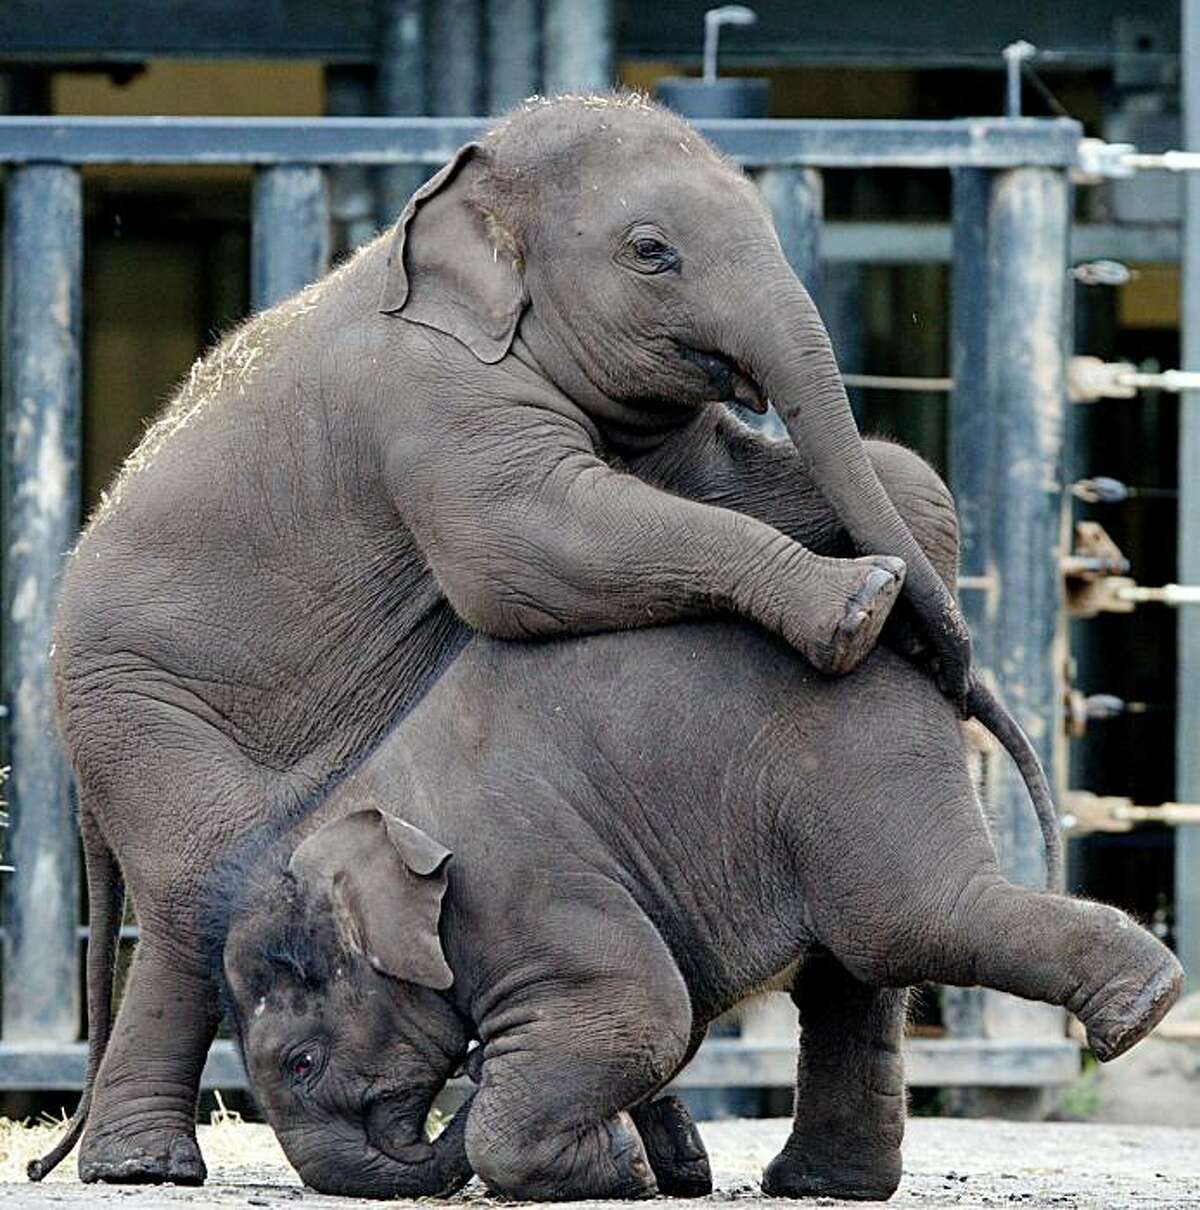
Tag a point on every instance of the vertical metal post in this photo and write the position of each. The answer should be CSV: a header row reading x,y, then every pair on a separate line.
x,y
973,448
842,290
796,197
456,58
1026,385
289,237
1187,718
43,256
973,455
514,52
351,197
400,92
1009,285
579,45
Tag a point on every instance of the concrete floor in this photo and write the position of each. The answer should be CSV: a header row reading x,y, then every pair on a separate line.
x,y
947,1163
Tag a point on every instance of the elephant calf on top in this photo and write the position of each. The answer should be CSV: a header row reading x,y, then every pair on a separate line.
x,y
582,852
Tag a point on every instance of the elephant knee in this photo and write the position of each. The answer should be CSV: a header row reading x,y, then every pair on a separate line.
x,y
923,500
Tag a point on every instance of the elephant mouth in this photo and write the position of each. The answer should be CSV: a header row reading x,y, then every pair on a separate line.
x,y
731,379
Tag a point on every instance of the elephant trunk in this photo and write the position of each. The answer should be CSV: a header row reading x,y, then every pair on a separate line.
x,y
790,355
386,1156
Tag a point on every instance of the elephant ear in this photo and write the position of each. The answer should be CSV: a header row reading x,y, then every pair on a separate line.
x,y
385,879
452,269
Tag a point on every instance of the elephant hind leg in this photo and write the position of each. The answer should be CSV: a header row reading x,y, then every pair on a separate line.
x,y
850,1098
1091,959
141,1129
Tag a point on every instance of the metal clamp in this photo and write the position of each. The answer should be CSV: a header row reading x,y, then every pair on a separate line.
x,y
1091,378
1088,812
1166,161
1103,273
1095,573
1092,708
1099,161
1167,594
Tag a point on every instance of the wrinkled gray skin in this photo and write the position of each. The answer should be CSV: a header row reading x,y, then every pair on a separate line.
x,y
498,417
582,852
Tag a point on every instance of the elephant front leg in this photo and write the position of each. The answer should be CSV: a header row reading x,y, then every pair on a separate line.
x,y
598,1028
850,1099
142,1129
676,1152
717,460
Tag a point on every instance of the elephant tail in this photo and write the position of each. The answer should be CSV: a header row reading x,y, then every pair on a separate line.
x,y
106,900
987,708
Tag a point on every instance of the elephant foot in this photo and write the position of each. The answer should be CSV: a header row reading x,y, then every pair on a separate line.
x,y
607,1160
877,584
860,1178
166,1155
674,1148
1133,1007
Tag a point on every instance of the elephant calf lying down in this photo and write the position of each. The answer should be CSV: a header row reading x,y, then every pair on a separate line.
x,y
580,853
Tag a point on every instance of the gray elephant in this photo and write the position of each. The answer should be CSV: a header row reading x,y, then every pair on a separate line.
x,y
498,417
582,852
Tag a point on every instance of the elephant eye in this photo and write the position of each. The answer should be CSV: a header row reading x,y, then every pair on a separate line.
x,y
305,1063
649,254
649,249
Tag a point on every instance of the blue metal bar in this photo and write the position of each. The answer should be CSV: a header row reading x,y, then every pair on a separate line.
x,y
968,143
952,33
514,52
1009,288
720,1063
400,91
1187,719
580,41
289,240
972,474
1025,387
796,197
351,195
43,252
972,445
456,60
896,242
1009,284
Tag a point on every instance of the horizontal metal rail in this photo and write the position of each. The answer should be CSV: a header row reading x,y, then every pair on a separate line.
x,y
966,143
720,1063
895,242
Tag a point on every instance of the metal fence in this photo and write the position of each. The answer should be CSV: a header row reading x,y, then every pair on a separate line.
x,y
1010,338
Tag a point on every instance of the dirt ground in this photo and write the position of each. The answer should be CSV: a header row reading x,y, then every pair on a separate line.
x,y
947,1163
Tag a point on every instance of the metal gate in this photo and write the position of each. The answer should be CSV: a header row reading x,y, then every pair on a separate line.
x,y
1010,339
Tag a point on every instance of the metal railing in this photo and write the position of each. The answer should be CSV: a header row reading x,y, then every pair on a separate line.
x,y
1008,362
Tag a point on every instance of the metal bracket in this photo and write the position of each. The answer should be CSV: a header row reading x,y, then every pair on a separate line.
x,y
1088,812
1098,161
1090,379
1103,273
1168,594
1094,707
1095,573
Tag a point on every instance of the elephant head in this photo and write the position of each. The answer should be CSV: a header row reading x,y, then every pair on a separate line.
x,y
601,242
336,985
